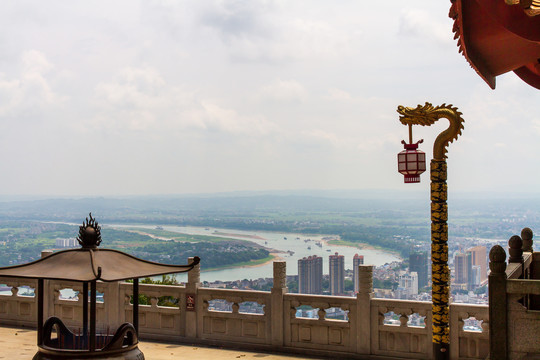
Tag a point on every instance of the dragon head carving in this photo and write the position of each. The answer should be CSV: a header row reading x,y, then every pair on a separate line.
x,y
426,115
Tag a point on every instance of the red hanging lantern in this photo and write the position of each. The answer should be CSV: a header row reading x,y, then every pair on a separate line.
x,y
411,162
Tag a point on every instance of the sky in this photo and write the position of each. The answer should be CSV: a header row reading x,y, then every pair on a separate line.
x,y
179,97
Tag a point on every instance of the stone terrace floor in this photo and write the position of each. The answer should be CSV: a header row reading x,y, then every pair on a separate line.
x,y
19,344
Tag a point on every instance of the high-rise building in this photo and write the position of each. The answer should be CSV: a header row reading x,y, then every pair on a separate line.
x,y
357,260
463,269
337,274
479,258
476,275
310,275
419,264
408,284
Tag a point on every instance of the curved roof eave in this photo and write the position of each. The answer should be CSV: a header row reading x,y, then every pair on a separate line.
x,y
496,38
92,264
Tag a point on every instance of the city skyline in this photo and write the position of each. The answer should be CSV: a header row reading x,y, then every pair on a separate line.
x,y
221,96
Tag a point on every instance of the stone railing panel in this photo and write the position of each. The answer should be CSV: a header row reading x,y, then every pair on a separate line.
x,y
400,339
16,309
320,332
155,322
271,322
470,343
70,311
231,326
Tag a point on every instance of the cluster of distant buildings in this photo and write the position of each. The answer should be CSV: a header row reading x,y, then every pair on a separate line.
x,y
310,274
469,270
66,243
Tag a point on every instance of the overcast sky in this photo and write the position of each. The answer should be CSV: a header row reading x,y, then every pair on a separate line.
x,y
159,97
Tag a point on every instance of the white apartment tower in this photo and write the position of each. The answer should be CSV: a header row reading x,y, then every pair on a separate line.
x,y
357,260
337,274
310,275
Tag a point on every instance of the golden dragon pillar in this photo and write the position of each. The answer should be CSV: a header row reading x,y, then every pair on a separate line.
x,y
426,115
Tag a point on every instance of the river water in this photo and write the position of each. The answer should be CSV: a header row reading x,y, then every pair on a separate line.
x,y
290,246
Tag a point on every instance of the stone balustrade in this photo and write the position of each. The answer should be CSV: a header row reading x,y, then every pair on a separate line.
x,y
397,334
335,326
469,343
514,293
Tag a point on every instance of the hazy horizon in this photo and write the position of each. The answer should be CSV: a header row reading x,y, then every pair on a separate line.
x,y
351,194
136,98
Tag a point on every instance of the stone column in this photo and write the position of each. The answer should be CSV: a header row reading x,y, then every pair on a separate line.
x,y
363,309
497,304
192,287
279,289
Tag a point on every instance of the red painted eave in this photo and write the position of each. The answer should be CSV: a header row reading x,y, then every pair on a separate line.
x,y
496,38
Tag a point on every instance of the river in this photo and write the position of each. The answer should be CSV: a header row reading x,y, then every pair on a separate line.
x,y
290,246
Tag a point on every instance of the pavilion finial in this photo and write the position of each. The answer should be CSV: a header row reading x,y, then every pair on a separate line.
x,y
89,233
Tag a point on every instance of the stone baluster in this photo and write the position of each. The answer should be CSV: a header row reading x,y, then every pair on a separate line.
x,y
515,249
497,304
363,309
279,289
403,319
191,319
321,313
527,236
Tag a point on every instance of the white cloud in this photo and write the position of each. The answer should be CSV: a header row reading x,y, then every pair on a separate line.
x,y
268,31
536,125
274,90
139,99
339,95
29,92
284,90
322,136
421,24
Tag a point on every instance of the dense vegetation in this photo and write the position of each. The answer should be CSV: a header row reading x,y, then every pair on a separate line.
x,y
381,219
213,255
23,241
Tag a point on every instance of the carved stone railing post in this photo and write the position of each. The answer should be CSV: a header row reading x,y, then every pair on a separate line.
x,y
497,304
192,287
46,253
194,276
114,304
48,298
276,304
526,237
363,309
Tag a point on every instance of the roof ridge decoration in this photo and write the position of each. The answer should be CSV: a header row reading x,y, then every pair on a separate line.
x,y
530,7
89,233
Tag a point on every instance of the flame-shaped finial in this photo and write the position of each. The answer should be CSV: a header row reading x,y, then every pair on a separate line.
x,y
89,233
